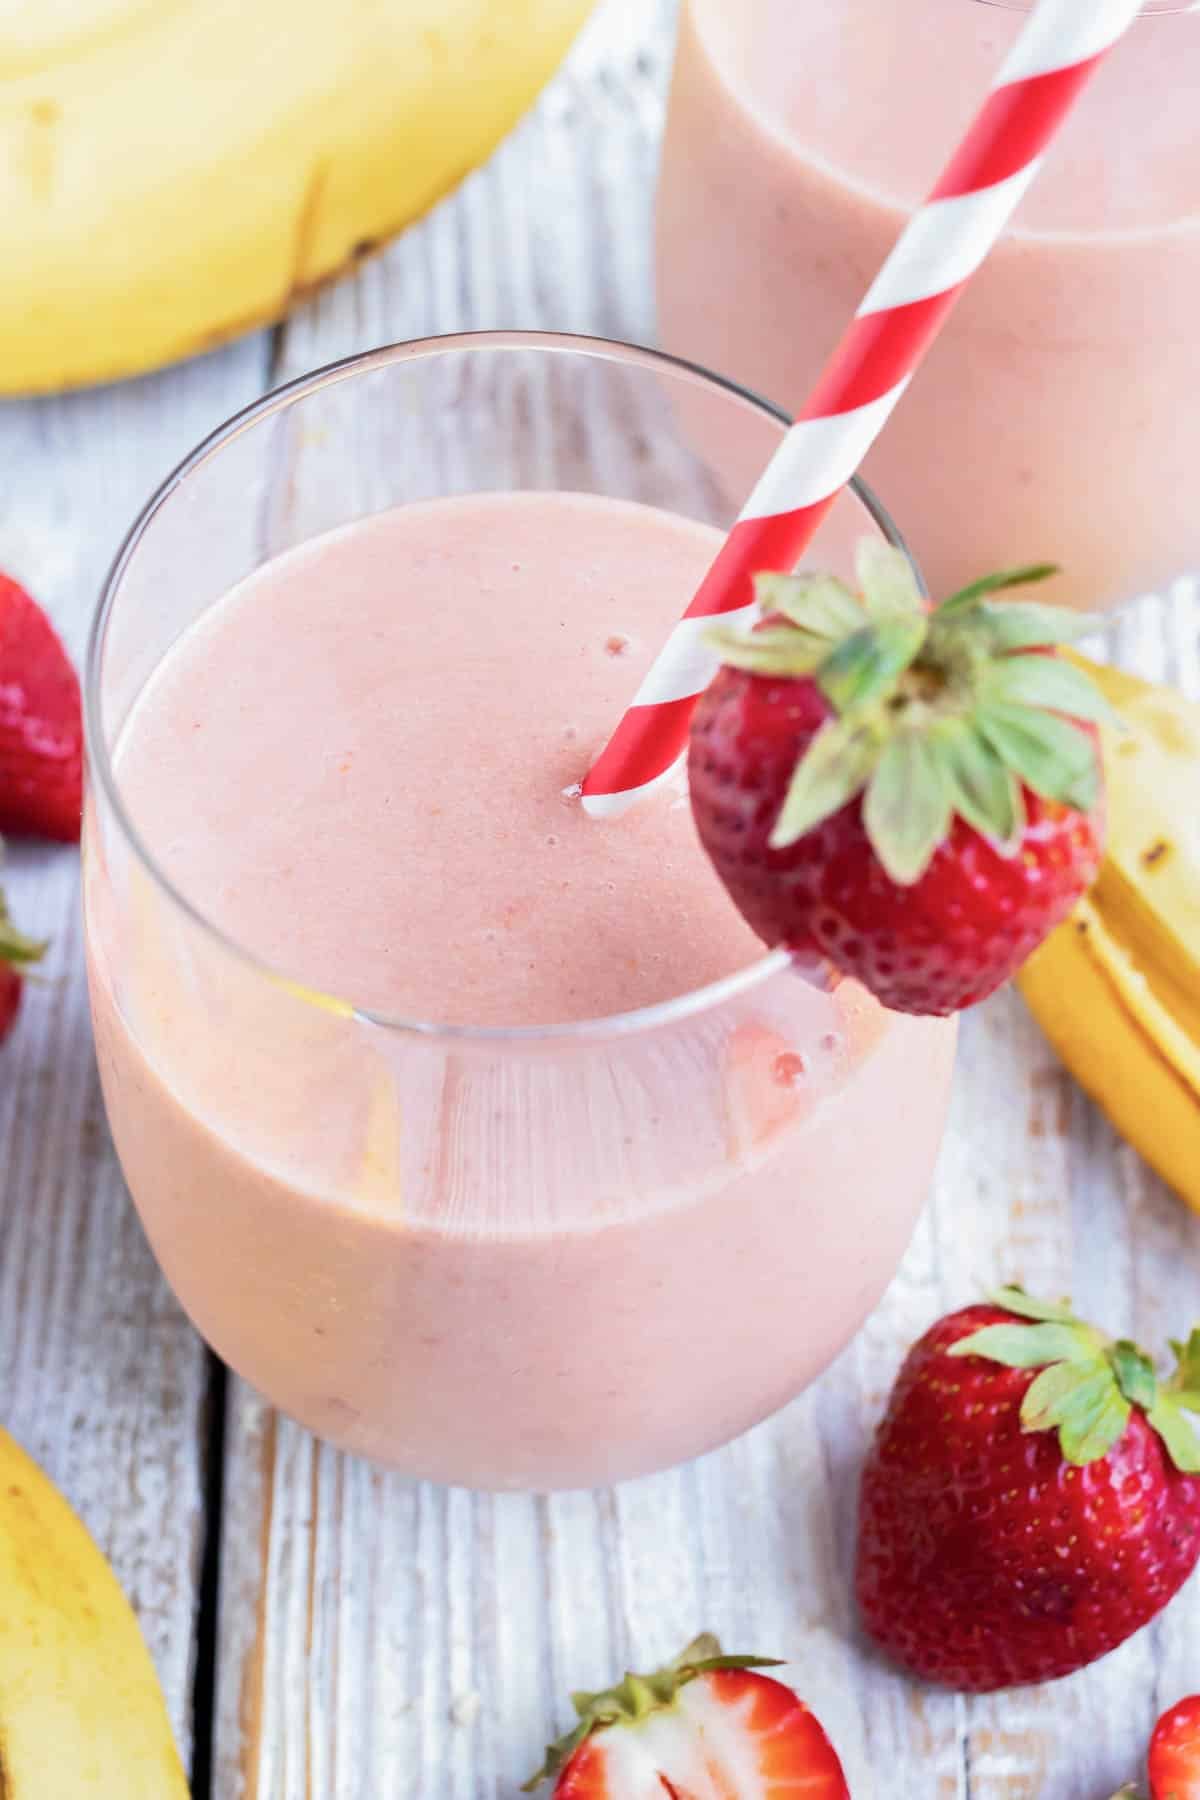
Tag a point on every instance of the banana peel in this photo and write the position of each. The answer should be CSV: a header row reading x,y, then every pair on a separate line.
x,y
82,1716
171,174
1116,988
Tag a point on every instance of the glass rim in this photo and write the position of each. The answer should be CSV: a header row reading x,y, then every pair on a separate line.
x,y
99,761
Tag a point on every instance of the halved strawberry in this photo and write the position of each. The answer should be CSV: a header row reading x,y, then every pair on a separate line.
x,y
1174,1759
707,1727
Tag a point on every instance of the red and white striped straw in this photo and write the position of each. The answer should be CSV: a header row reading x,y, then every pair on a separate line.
x,y
937,253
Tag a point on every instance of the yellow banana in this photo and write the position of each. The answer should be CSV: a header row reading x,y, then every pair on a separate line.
x,y
172,172
1117,988
81,1714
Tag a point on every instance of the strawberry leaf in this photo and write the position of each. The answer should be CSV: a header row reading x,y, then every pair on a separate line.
x,y
1048,681
819,604
907,811
713,1665
1083,1403
983,792
1044,1399
1056,759
771,650
1135,1374
888,581
1089,1386
1028,1306
866,664
834,770
1030,1346
967,597
1185,1384
559,1754
15,947
1177,1433
1027,625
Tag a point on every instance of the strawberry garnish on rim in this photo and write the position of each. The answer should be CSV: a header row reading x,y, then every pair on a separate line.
x,y
707,1727
1032,1497
914,793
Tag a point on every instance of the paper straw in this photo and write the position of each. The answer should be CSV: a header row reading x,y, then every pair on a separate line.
x,y
938,251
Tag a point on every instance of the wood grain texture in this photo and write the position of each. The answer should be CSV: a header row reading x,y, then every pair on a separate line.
x,y
380,1636
101,1377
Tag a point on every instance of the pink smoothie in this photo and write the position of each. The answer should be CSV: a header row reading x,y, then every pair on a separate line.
x,y
1055,417
535,1261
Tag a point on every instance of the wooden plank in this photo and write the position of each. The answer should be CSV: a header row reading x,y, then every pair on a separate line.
x,y
379,1636
102,1377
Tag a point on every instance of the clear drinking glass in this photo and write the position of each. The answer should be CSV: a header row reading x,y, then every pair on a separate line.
x,y
511,1257
1055,417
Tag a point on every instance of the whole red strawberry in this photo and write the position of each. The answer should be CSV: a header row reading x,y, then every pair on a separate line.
x,y
1174,1759
915,794
17,952
41,727
1031,1500
707,1727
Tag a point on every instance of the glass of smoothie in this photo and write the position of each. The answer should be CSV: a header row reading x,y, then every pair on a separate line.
x,y
1056,415
483,1138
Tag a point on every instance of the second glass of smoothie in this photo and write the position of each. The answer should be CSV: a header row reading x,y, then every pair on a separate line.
x,y
1055,418
482,1138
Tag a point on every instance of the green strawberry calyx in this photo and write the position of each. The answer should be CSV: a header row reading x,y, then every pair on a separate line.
x,y
936,712
1089,1384
15,948
636,1697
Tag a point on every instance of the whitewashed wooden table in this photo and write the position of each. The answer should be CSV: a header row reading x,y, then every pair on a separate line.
x,y
326,1631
